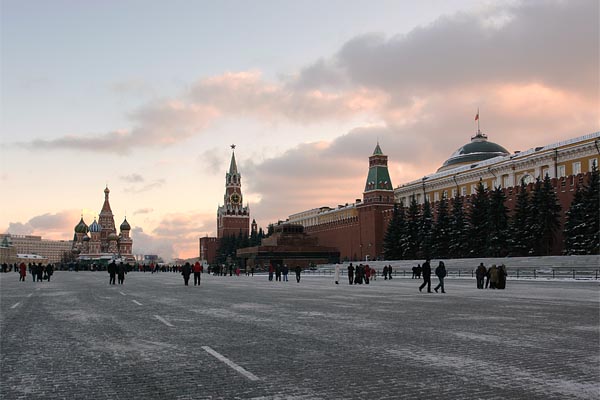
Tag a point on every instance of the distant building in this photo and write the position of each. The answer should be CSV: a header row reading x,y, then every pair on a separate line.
x,y
103,243
51,251
233,218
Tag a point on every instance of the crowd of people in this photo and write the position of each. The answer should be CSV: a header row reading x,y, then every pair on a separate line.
x,y
495,277
39,272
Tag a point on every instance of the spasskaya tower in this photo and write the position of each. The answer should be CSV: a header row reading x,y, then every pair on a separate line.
x,y
233,217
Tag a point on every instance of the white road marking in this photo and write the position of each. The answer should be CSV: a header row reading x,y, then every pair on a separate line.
x,y
123,293
15,305
233,365
30,294
137,302
164,321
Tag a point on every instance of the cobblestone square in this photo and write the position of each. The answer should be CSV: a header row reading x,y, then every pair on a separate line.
x,y
245,337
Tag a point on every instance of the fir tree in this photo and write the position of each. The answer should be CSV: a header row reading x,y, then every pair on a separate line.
x,y
576,225
519,229
478,222
442,230
391,241
426,231
592,207
544,217
409,242
459,229
497,244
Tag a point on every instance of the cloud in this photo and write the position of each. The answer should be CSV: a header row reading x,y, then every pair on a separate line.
x,y
145,188
211,160
552,43
156,124
51,226
143,211
133,178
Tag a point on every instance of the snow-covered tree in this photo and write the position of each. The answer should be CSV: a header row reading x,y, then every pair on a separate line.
x,y
442,230
592,207
544,217
497,243
519,238
576,225
392,249
410,240
478,222
459,229
426,231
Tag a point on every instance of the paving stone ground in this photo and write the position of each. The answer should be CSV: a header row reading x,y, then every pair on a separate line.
x,y
76,337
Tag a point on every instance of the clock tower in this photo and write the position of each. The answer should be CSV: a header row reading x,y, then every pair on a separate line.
x,y
233,217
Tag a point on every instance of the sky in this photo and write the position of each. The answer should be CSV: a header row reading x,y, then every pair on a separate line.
x,y
147,97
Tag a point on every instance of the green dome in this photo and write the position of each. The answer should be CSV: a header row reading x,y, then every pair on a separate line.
x,y
479,149
113,236
125,226
81,227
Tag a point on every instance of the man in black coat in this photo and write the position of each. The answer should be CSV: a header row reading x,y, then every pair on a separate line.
x,y
298,272
186,270
121,271
480,274
112,273
426,271
441,273
351,273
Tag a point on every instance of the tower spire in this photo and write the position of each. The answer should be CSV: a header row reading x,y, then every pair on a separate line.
x,y
233,165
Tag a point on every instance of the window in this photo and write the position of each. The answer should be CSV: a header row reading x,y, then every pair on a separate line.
x,y
576,168
418,198
445,194
560,170
592,162
427,198
545,171
454,193
505,181
485,185
473,189
436,196
463,191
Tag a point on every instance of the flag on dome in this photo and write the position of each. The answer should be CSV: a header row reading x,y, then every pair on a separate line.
x,y
477,115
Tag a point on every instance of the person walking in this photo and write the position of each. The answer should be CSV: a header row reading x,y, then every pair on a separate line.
x,y
285,270
493,276
337,274
367,274
350,273
112,272
441,273
40,272
385,269
186,270
121,271
298,272
278,273
197,271
271,269
502,276
22,271
390,269
49,271
480,273
426,276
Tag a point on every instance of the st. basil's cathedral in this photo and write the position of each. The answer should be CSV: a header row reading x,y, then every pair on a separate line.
x,y
103,243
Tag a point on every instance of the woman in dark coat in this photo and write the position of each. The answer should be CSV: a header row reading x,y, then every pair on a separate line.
x,y
121,271
186,270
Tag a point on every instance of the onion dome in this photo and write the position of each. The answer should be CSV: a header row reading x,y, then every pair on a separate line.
x,y
112,236
125,225
81,227
479,149
106,191
86,238
95,226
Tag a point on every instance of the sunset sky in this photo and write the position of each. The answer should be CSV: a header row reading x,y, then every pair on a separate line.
x,y
147,96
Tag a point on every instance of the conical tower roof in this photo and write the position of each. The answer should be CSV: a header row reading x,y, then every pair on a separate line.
x,y
106,206
233,166
377,151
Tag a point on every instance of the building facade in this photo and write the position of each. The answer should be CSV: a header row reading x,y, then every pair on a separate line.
x,y
103,243
50,250
233,218
568,163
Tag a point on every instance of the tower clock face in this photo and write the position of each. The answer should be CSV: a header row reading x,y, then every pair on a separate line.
x,y
235,198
